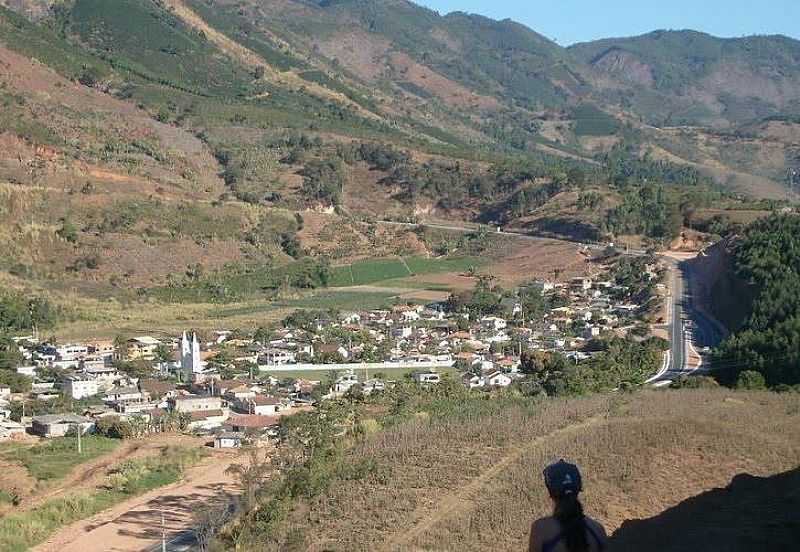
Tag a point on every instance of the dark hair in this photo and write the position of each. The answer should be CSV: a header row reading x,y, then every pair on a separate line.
x,y
569,514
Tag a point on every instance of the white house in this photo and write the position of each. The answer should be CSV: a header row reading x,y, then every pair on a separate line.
x,y
494,323
261,405
29,371
402,332
229,439
79,388
374,385
409,316
496,379
123,394
71,352
472,381
345,382
427,378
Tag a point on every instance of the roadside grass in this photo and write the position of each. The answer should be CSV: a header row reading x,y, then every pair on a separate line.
x,y
54,459
23,530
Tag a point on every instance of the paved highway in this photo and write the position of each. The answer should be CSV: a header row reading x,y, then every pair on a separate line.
x,y
689,328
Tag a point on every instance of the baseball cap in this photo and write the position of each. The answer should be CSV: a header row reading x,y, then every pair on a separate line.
x,y
563,478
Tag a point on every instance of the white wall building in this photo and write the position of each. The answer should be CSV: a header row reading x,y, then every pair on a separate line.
x,y
79,388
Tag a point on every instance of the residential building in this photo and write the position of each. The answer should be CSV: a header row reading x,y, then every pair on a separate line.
x,y
58,425
496,379
143,347
195,403
78,387
261,405
71,352
427,378
229,439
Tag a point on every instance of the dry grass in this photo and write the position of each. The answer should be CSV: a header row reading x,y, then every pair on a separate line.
x,y
471,480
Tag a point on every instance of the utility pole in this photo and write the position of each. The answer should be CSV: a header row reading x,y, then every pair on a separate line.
x,y
163,534
78,431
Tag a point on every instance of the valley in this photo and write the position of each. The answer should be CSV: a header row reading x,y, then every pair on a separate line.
x,y
347,274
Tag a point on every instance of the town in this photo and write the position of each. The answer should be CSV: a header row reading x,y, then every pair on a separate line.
x,y
233,386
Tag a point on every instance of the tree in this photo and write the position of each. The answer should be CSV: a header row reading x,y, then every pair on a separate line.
x,y
17,382
10,356
163,353
90,76
323,180
68,231
750,380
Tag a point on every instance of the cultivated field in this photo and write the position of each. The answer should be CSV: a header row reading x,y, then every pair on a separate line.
x,y
468,476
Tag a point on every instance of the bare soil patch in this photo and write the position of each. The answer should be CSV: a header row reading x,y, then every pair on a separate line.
x,y
544,259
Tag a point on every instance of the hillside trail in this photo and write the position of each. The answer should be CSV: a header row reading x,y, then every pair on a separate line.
x,y
464,497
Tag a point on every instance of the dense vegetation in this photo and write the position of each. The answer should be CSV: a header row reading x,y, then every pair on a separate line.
x,y
768,259
615,363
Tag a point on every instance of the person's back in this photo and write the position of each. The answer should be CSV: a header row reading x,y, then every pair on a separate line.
x,y
547,536
568,529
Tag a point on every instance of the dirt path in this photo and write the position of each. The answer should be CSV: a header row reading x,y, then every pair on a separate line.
x,y
93,473
463,498
136,524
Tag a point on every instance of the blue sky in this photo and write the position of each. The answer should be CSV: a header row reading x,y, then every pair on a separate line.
x,y
570,21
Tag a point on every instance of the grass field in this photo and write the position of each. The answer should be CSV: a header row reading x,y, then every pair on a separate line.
x,y
23,530
371,271
341,300
465,473
54,459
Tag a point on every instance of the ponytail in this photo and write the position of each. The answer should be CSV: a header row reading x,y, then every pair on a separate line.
x,y
569,514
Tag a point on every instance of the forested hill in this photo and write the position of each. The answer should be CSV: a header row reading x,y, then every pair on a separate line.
x,y
767,258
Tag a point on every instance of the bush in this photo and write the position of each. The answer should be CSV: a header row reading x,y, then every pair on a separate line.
x,y
751,380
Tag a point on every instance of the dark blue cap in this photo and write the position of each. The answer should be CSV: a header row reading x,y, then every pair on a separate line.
x,y
562,479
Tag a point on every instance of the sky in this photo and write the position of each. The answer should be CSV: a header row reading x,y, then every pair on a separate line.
x,y
570,21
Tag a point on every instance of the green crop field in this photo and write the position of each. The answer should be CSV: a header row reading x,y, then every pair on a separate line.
x,y
342,300
380,270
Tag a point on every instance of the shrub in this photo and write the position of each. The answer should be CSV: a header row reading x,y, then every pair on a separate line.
x,y
751,380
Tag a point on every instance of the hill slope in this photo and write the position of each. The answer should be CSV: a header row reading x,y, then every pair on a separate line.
x,y
465,474
123,120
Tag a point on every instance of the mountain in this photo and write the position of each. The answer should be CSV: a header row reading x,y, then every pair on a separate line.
x,y
691,78
144,136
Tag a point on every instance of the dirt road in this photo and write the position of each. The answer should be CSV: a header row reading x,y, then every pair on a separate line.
x,y
136,524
